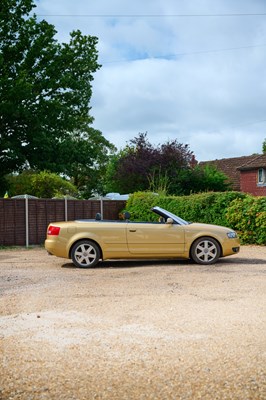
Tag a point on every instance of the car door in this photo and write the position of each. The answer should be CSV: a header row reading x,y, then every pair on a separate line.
x,y
155,238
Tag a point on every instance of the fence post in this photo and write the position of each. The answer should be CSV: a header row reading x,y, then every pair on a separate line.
x,y
27,219
101,206
66,209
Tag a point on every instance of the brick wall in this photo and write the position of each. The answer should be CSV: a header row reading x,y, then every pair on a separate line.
x,y
41,212
248,182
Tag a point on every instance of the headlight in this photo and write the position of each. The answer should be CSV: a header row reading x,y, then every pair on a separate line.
x,y
231,235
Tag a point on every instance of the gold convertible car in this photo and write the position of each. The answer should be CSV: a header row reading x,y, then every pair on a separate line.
x,y
88,241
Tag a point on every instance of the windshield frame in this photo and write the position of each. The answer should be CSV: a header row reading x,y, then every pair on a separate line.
x,y
167,214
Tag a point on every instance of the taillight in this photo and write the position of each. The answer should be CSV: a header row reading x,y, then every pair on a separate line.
x,y
53,230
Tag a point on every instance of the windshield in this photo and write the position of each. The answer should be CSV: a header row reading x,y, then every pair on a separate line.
x,y
168,214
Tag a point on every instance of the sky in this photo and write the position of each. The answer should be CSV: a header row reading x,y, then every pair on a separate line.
x,y
187,70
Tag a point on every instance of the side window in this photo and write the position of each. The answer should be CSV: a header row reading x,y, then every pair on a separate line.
x,y
261,176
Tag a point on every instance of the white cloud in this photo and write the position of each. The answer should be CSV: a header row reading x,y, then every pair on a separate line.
x,y
212,98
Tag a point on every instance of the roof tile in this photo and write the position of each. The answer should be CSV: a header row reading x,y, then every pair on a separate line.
x,y
231,167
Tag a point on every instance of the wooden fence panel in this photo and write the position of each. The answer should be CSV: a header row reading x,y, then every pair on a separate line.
x,y
12,222
55,210
43,211
19,223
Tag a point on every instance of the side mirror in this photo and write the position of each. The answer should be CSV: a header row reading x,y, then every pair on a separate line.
x,y
170,221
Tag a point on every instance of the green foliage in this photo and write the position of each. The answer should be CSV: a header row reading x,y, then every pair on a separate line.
x,y
91,155
248,216
45,90
111,184
264,146
199,179
139,205
239,211
20,184
43,185
167,168
158,182
210,208
138,166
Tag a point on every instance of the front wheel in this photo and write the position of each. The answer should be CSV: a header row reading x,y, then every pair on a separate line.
x,y
205,250
85,254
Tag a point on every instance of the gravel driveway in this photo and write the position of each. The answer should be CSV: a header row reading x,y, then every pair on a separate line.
x,y
132,330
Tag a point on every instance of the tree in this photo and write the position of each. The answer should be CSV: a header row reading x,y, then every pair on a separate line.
x,y
201,179
43,184
45,90
264,146
128,171
135,168
90,154
168,168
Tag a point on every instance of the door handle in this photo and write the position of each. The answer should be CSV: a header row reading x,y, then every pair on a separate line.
x,y
132,230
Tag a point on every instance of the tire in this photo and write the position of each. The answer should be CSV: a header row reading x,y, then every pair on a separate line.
x,y
85,254
205,250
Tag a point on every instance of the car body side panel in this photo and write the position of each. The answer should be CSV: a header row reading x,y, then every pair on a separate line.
x,y
136,239
111,237
195,231
155,238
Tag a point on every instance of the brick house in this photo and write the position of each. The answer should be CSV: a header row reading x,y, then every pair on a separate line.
x,y
246,174
253,176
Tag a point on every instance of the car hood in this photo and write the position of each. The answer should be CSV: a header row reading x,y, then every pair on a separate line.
x,y
207,227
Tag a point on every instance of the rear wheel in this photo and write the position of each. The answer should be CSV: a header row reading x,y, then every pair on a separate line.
x,y
205,250
85,254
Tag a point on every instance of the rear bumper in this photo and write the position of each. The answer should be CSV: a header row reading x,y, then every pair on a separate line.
x,y
55,247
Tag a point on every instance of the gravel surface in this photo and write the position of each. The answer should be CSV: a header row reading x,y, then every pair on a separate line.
x,y
132,330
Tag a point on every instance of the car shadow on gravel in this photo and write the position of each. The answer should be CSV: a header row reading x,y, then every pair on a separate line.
x,y
120,264
247,261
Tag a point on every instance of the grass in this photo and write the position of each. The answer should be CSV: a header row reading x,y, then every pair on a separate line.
x,y
31,247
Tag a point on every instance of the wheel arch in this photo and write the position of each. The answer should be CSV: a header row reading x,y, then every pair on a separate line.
x,y
207,237
80,240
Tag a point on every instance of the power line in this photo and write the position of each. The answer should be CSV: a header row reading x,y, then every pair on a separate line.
x,y
153,15
248,123
235,126
186,54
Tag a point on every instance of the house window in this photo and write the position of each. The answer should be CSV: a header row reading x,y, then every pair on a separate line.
x,y
261,176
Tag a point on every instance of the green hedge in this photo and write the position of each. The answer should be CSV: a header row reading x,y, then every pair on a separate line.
x,y
245,213
248,216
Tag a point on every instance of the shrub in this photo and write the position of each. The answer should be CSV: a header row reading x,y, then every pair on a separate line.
x,y
239,211
207,208
139,205
42,184
248,216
